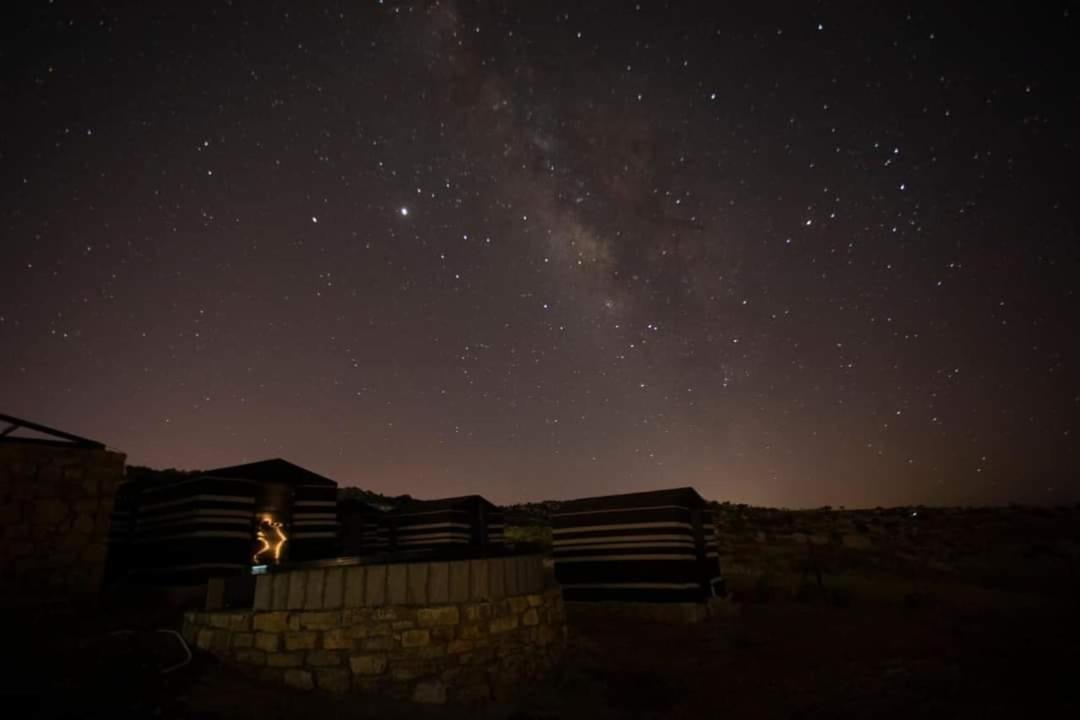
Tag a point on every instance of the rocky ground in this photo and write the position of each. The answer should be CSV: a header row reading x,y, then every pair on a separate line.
x,y
842,614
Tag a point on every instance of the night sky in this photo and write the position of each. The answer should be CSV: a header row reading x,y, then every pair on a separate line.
x,y
794,255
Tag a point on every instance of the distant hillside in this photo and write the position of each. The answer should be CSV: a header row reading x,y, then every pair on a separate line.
x,y
140,473
385,502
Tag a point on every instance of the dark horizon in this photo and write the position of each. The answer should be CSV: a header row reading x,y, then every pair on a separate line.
x,y
790,255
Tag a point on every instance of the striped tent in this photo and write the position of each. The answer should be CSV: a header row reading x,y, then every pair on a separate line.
x,y
223,521
189,529
652,547
364,528
467,521
303,501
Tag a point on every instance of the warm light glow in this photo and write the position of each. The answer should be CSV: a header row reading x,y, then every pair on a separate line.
x,y
272,545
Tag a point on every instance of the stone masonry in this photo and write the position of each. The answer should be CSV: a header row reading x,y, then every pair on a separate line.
x,y
55,506
428,641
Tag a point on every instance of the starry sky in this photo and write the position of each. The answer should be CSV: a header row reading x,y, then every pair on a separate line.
x,y
791,254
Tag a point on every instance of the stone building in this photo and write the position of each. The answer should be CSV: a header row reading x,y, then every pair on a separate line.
x,y
56,499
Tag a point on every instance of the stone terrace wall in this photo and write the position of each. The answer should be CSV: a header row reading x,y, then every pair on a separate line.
x,y
418,583
466,652
55,507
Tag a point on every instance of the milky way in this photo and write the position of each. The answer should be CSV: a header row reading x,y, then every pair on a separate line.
x,y
792,255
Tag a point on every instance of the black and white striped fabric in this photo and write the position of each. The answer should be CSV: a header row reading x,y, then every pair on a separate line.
x,y
198,527
468,521
194,528
314,522
364,528
305,502
639,547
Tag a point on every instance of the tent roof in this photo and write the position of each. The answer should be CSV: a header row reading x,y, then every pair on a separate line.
x,y
273,470
684,496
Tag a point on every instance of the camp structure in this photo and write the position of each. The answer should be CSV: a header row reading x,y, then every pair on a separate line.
x,y
646,549
469,521
364,527
224,522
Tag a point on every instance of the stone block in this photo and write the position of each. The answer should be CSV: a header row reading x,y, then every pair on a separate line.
x,y
334,680
479,611
239,621
334,588
354,586
405,670
431,652
384,613
219,643
518,604
188,628
297,587
416,587
337,639
50,512
279,594
375,585
251,657
471,632
399,625
497,577
397,584
243,640
479,580
324,658
368,664
415,638
431,692
534,600
456,647
204,638
503,624
271,622
382,642
444,615
530,617
299,679
354,616
378,629
267,642
323,620
459,581
285,660
313,592
301,640
510,572
264,586
438,583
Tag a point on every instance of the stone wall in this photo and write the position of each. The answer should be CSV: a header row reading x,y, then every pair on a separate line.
x,y
55,507
365,637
